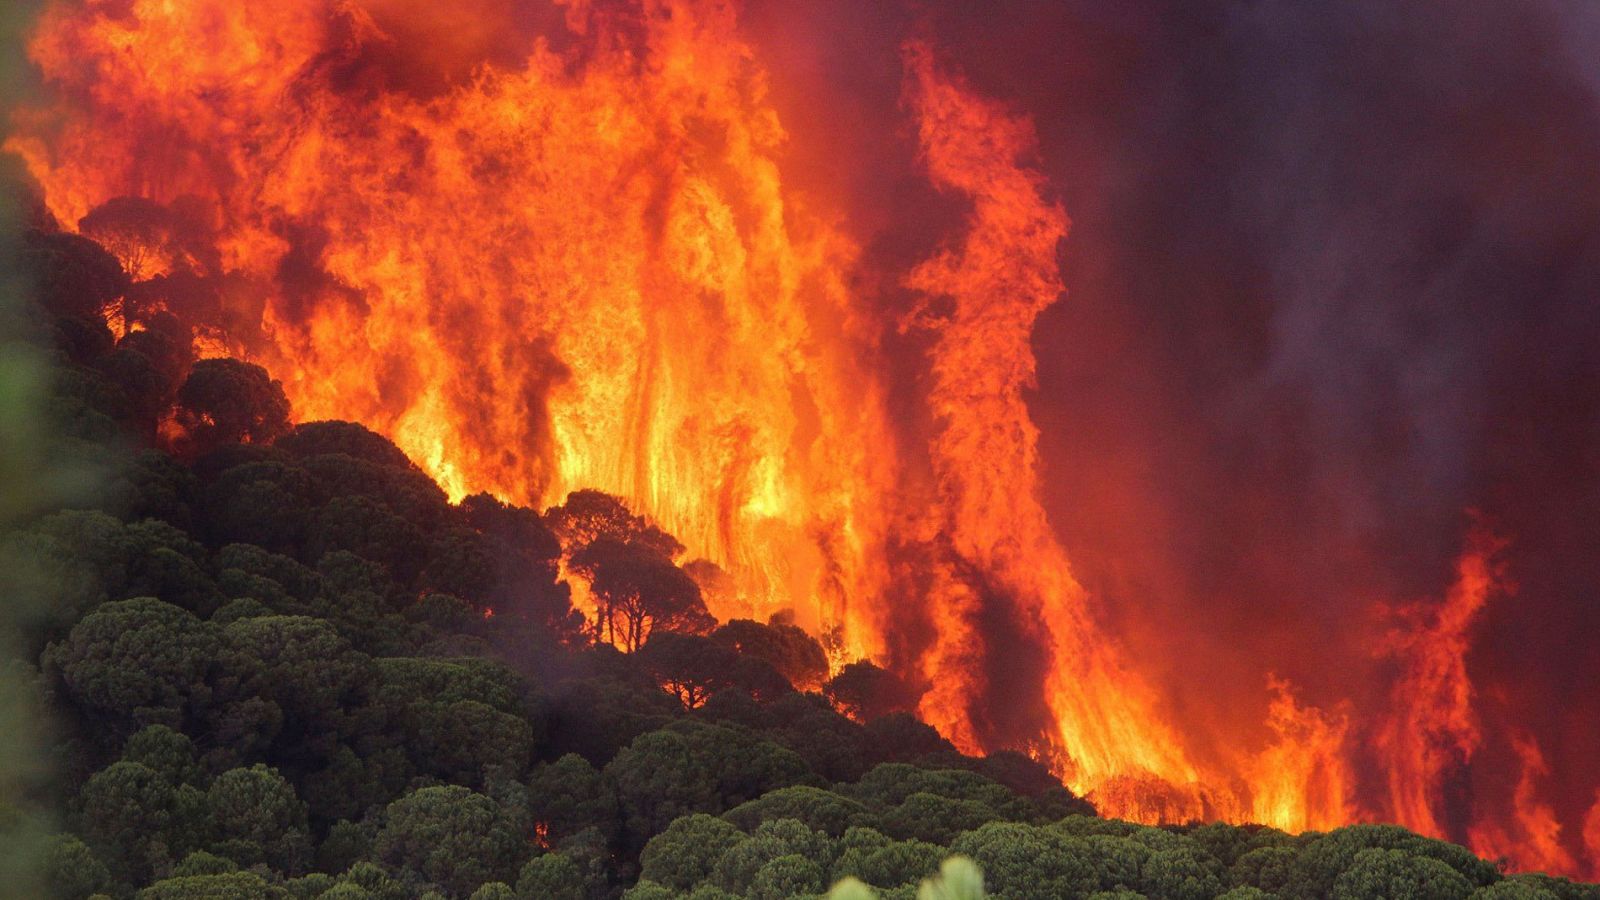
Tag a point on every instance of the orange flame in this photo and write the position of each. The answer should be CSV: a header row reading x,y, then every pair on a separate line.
x,y
1591,838
552,262
516,279
1000,277
1302,780
1434,730
1531,839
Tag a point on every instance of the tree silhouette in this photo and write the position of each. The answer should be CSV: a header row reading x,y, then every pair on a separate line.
x,y
589,516
225,401
639,591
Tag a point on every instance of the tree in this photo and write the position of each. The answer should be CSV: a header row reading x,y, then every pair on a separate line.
x,y
147,238
639,591
519,529
1270,868
685,853
450,836
73,275
1320,864
139,662
934,817
739,868
166,347
796,655
864,692
891,784
1182,873
225,401
824,811
72,870
891,864
902,737
150,362
82,339
1376,872
1119,862
1029,863
689,667
153,485
690,767
719,589
524,563
406,491
228,886
406,680
304,666
460,562
168,752
832,745
590,515
1517,887
791,875
568,796
264,503
290,582
550,877
368,881
370,530
137,819
209,303
310,439
256,817
461,740
597,717
202,863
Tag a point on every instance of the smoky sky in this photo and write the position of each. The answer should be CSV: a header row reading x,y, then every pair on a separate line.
x,y
1333,282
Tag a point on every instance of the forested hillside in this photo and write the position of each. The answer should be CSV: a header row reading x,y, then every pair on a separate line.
x,y
281,663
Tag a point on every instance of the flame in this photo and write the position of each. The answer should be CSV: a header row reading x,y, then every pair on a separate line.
x,y
572,257
1531,839
1000,276
1591,838
1434,729
602,222
1302,780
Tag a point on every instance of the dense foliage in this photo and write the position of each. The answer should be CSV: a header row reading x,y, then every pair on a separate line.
x,y
285,665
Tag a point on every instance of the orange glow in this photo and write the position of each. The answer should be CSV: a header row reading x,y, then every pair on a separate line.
x,y
1001,276
1591,838
1433,730
1301,781
553,267
1532,837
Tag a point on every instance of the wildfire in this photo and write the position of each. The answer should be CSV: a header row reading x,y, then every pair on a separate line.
x,y
1435,730
544,262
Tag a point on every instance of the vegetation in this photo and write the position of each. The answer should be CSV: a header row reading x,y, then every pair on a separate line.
x,y
283,664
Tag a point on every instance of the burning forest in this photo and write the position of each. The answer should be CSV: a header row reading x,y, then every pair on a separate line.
x,y
1197,407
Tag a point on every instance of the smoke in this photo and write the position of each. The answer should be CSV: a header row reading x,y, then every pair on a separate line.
x,y
32,478
1330,285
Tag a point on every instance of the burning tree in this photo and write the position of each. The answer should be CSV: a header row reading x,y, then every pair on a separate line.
x,y
639,591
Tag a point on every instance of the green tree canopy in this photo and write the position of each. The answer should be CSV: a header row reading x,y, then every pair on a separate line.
x,y
451,836
690,767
